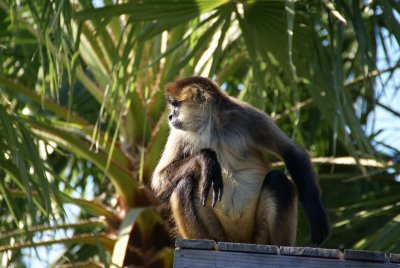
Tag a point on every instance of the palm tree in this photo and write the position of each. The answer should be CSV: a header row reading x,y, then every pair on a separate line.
x,y
82,119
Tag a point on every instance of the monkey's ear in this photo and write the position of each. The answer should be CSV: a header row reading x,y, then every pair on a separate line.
x,y
185,93
171,89
176,91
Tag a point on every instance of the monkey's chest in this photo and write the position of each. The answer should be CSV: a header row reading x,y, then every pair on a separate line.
x,y
239,202
241,191
243,178
243,174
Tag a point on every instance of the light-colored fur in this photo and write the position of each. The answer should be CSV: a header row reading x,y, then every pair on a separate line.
x,y
242,156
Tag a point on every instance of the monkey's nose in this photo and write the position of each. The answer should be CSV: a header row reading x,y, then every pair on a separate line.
x,y
170,117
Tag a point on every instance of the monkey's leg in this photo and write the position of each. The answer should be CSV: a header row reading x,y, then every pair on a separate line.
x,y
276,218
194,221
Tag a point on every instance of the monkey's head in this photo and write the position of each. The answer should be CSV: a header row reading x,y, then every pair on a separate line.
x,y
192,101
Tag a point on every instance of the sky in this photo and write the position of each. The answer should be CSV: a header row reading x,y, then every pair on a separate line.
x,y
390,96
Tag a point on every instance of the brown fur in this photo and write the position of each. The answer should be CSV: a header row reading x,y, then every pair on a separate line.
x,y
193,88
242,137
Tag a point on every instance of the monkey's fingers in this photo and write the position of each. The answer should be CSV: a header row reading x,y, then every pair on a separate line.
x,y
215,197
203,201
318,220
204,192
217,193
203,198
220,195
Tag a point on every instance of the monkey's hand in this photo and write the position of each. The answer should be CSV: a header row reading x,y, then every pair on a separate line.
x,y
317,218
211,175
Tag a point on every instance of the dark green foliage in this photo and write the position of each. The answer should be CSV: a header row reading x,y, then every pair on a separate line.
x,y
82,116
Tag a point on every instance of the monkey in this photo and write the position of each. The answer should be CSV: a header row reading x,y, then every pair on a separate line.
x,y
222,145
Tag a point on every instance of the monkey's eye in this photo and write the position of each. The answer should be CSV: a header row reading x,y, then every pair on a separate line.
x,y
175,103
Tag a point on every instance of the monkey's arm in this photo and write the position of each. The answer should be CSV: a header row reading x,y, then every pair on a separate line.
x,y
203,166
300,168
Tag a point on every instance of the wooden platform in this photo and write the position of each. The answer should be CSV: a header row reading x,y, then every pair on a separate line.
x,y
208,253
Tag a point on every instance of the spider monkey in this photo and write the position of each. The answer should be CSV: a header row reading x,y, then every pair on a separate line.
x,y
219,142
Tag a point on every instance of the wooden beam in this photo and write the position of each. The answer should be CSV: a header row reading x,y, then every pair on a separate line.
x,y
208,253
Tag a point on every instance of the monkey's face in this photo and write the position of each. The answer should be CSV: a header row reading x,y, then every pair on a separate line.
x,y
186,115
191,110
173,118
191,101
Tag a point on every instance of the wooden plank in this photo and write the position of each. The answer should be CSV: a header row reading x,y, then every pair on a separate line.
x,y
221,259
311,252
196,244
242,247
395,258
363,255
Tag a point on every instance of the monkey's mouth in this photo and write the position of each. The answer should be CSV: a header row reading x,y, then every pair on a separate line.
x,y
176,123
